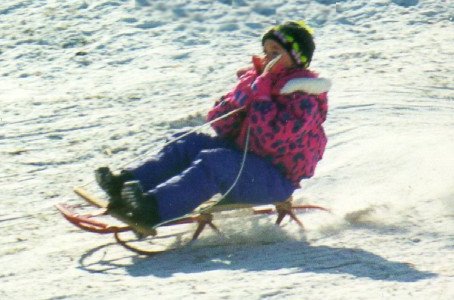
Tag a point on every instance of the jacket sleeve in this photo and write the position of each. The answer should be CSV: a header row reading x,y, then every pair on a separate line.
x,y
241,95
274,128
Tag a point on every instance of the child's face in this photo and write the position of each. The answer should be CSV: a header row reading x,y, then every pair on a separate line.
x,y
271,49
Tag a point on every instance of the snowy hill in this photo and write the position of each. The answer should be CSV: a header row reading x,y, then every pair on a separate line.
x,y
91,83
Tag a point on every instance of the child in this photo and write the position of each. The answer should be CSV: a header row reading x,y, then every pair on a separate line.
x,y
280,125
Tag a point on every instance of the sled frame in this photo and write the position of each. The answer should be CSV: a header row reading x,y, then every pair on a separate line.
x,y
203,216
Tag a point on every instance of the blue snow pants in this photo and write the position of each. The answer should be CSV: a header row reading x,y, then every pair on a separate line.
x,y
186,173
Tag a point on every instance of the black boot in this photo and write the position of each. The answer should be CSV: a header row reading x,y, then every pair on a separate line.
x,y
111,183
137,206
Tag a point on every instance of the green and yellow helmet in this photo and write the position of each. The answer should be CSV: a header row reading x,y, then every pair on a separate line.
x,y
297,38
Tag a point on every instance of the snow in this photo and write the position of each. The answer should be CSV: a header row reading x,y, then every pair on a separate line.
x,y
92,83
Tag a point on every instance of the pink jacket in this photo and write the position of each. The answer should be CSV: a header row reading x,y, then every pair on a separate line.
x,y
284,128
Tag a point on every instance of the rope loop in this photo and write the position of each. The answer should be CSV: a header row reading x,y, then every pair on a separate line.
x,y
192,131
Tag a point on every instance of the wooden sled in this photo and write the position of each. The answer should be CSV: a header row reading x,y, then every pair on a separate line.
x,y
203,216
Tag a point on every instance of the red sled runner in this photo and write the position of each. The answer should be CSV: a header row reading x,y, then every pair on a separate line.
x,y
202,216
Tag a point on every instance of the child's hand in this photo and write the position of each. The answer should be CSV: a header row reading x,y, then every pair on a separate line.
x,y
274,66
261,65
258,63
263,84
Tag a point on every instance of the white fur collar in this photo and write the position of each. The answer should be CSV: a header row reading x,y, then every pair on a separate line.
x,y
314,86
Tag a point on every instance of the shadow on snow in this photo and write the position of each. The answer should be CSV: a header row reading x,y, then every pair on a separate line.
x,y
296,256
